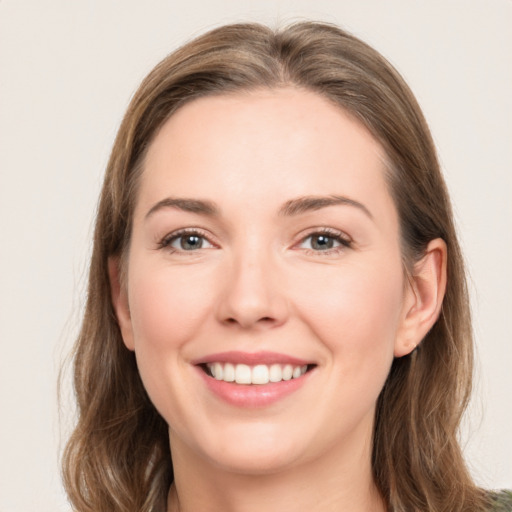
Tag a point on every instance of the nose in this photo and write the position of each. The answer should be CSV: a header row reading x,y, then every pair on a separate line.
x,y
253,295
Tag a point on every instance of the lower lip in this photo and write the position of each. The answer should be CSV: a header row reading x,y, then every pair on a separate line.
x,y
252,395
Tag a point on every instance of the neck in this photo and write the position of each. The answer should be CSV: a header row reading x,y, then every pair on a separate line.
x,y
334,482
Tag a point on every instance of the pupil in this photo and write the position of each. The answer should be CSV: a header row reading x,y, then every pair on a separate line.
x,y
191,242
322,242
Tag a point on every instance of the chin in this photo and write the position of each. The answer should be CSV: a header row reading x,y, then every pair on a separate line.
x,y
255,451
256,461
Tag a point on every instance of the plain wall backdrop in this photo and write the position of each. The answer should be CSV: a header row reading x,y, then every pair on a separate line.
x,y
67,72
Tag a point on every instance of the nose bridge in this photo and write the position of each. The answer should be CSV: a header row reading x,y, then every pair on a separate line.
x,y
252,294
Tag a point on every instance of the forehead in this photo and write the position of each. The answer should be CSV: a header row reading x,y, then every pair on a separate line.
x,y
268,145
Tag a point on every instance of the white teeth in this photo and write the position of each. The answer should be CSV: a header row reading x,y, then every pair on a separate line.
x,y
259,374
229,372
275,373
218,371
287,372
242,374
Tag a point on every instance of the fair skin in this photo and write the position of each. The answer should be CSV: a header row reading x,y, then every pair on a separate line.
x,y
290,255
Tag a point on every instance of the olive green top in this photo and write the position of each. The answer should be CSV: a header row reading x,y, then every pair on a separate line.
x,y
501,501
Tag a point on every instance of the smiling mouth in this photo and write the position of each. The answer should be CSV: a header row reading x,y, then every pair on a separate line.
x,y
259,374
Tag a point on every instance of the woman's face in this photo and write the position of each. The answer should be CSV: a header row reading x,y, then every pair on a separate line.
x,y
265,249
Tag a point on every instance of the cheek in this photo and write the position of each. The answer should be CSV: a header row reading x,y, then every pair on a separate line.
x,y
168,310
356,314
167,307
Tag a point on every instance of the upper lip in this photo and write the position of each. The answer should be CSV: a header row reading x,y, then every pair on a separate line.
x,y
251,358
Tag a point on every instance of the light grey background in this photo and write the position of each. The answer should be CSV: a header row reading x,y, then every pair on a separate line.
x,y
67,72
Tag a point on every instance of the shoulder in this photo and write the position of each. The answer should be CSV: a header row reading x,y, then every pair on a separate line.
x,y
501,501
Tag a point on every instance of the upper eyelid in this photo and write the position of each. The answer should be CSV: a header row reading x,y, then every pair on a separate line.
x,y
345,241
166,239
325,230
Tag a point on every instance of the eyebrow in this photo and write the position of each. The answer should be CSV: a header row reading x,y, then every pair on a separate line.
x,y
311,203
292,207
187,205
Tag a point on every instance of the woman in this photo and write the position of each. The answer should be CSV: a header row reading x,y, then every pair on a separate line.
x,y
277,314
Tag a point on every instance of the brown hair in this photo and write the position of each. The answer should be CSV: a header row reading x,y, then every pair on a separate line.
x,y
118,457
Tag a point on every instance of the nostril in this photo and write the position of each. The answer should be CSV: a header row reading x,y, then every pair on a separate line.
x,y
265,319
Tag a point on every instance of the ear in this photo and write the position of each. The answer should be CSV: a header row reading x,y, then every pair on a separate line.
x,y
119,298
423,298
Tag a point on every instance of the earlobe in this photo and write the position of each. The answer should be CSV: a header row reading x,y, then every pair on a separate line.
x,y
423,298
119,297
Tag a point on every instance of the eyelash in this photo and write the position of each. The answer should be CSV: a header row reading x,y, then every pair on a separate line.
x,y
166,242
336,236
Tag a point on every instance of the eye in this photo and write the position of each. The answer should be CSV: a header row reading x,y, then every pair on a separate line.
x,y
324,242
187,241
